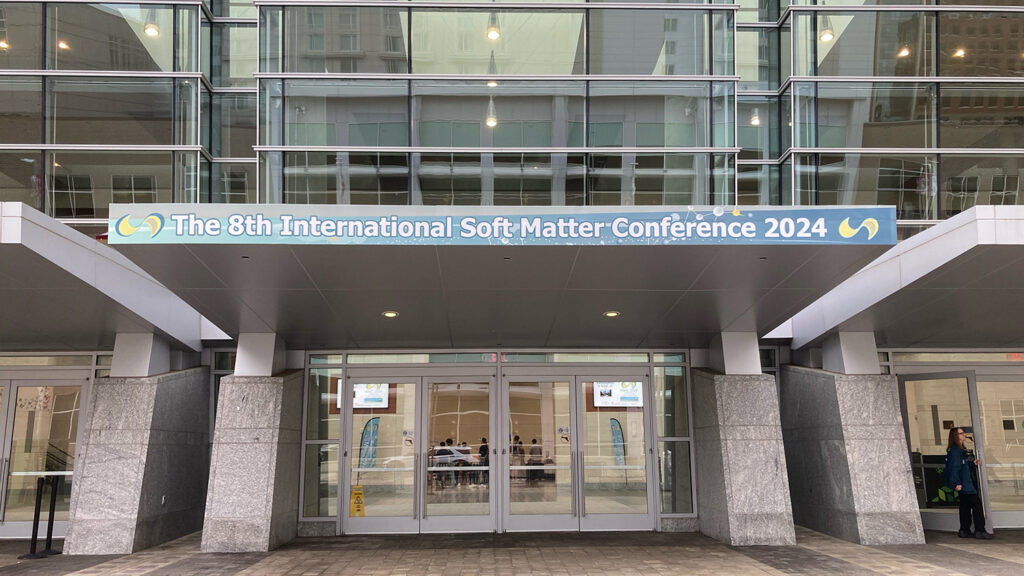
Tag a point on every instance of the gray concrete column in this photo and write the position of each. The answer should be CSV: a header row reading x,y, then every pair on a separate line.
x,y
141,470
742,490
253,499
849,469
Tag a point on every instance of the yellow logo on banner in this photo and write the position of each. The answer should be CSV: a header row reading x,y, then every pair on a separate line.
x,y
355,504
869,224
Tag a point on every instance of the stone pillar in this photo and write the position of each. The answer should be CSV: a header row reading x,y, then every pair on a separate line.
x,y
253,499
849,471
140,478
742,490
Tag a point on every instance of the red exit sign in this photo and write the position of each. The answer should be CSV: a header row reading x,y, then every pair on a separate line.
x,y
1015,356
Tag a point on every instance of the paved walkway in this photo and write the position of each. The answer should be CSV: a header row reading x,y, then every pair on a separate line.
x,y
604,554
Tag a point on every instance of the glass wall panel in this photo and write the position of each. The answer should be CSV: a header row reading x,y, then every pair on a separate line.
x,y
21,36
83,184
539,456
186,130
966,181
978,116
757,58
906,182
538,179
723,179
510,114
21,177
458,415
873,43
805,110
233,54
525,42
449,179
232,183
346,178
642,114
675,488
346,39
758,127
187,53
875,115
981,43
21,110
1001,407
642,42
110,37
110,111
672,416
723,43
271,116
234,125
320,481
723,113
233,8
758,185
271,177
271,46
186,177
648,179
757,10
323,404
933,408
346,113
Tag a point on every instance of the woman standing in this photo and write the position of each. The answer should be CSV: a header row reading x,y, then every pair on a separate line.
x,y
959,468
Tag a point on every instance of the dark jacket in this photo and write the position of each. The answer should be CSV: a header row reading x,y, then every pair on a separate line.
x,y
958,470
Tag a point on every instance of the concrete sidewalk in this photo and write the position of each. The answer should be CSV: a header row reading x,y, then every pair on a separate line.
x,y
605,554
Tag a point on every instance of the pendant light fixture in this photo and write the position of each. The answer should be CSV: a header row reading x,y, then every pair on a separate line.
x,y
492,116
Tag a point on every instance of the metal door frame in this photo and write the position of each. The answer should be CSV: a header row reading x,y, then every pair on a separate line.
x,y
422,377
949,521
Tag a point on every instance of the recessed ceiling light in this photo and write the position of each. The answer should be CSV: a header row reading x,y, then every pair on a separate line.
x,y
63,45
612,314
151,30
959,53
4,45
904,52
389,314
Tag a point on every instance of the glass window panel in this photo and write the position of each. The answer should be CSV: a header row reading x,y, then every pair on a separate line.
x,y
650,42
723,43
270,39
224,360
672,412
346,40
326,358
186,124
538,179
63,360
656,114
723,113
675,358
134,37
875,115
186,177
271,113
233,59
233,8
976,116
187,52
874,44
804,34
574,357
906,182
528,42
320,481
43,443
234,125
675,488
233,183
21,110
757,10
758,185
757,62
110,111
458,414
966,181
323,403
312,177
346,113
21,36
376,179
969,43
648,179
83,184
723,182
805,109
447,179
758,127
512,114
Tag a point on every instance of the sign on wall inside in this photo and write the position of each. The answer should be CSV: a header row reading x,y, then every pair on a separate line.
x,y
475,226
618,395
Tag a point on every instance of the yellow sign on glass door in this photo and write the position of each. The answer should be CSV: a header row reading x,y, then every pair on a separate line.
x,y
355,504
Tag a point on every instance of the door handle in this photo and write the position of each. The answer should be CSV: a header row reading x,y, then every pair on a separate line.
x,y
572,482
423,486
415,486
580,490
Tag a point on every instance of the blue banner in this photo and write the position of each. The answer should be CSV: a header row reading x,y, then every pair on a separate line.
x,y
368,443
469,226
618,443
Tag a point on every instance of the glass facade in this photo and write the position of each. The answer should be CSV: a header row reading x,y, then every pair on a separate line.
x,y
915,104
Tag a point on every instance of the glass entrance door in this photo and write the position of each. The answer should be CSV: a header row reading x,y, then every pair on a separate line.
x,y
417,458
577,453
934,404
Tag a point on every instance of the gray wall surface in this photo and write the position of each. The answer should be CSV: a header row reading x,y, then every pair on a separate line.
x,y
849,468
140,479
253,499
743,493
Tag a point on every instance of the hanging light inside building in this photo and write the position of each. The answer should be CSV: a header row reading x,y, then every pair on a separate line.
x,y
63,45
4,45
960,53
493,30
492,71
827,34
904,52
492,115
150,28
755,118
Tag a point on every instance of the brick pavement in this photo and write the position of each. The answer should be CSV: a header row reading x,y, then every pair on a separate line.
x,y
572,554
